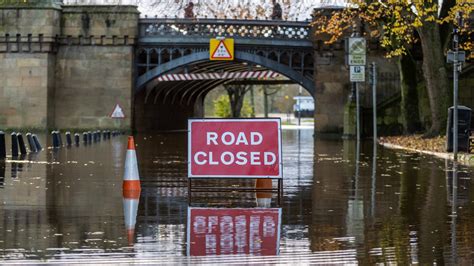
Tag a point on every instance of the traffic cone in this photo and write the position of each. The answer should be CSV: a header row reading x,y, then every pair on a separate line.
x,y
131,200
131,190
131,178
264,199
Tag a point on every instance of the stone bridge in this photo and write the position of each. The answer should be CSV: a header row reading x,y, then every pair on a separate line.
x,y
67,66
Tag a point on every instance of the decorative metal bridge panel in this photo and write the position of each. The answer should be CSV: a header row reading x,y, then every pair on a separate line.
x,y
244,29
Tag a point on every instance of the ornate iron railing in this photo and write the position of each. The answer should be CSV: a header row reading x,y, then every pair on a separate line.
x,y
240,29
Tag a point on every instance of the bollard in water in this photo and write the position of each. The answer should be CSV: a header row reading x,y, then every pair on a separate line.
x,y
21,143
14,145
3,151
37,143
104,134
31,143
77,139
68,139
55,139
89,137
60,138
84,137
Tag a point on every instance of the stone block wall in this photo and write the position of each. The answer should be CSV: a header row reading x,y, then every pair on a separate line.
x,y
25,82
332,91
65,66
95,66
333,87
90,81
27,63
97,21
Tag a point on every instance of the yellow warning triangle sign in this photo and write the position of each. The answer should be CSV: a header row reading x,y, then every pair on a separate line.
x,y
221,51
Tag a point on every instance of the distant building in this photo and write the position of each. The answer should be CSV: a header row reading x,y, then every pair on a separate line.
x,y
305,105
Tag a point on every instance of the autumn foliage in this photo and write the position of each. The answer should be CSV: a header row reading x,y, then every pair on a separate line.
x,y
394,22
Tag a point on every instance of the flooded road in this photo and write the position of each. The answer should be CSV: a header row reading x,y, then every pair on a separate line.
x,y
66,205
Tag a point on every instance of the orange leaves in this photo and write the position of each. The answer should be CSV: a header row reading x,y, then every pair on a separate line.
x,y
436,144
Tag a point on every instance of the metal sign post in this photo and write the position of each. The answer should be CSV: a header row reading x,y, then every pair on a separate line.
x,y
456,57
374,100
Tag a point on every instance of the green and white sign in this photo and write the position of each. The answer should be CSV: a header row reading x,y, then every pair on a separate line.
x,y
357,51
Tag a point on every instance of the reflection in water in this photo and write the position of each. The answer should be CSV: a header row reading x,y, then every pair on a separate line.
x,y
17,165
339,205
223,231
2,173
131,200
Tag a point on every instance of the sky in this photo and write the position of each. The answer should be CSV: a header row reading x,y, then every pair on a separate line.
x,y
255,9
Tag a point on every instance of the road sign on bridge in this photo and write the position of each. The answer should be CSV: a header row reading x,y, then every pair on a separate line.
x,y
221,49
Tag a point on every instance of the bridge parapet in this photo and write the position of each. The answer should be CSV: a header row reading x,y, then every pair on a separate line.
x,y
231,28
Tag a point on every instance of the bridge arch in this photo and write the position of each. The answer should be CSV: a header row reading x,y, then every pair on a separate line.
x,y
197,57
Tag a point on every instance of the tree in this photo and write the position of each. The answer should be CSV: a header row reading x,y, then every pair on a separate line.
x,y
236,97
222,108
398,24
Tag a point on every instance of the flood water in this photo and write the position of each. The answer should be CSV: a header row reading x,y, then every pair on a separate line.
x,y
66,205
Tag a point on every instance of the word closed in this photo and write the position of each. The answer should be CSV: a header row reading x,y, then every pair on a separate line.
x,y
234,148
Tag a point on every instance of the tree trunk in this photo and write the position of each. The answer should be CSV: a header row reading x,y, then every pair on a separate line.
x,y
408,84
265,100
435,74
252,100
236,99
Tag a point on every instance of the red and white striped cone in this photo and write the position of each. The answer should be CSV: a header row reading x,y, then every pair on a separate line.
x,y
131,190
264,199
130,210
131,178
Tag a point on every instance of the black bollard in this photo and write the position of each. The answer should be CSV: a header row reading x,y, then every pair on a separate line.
x,y
60,138
3,151
99,135
89,136
37,143
68,139
104,134
84,137
14,145
77,139
21,143
55,139
31,143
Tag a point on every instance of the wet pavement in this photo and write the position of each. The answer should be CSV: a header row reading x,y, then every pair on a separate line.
x,y
66,205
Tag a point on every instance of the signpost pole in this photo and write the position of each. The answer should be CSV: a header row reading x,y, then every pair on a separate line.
x,y
299,107
455,85
457,58
357,111
374,101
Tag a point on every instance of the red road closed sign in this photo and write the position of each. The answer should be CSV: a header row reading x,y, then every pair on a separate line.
x,y
244,148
